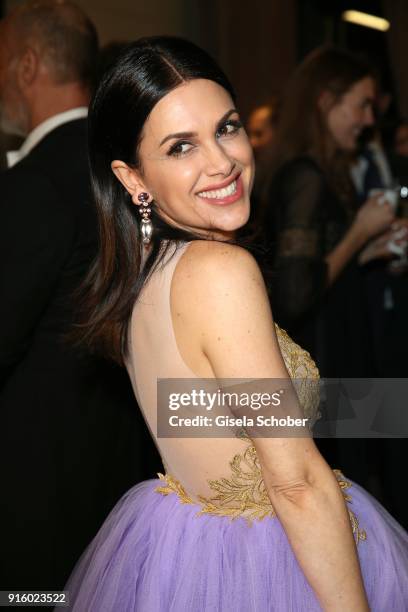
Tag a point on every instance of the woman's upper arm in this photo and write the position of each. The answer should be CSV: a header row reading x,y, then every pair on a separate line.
x,y
221,290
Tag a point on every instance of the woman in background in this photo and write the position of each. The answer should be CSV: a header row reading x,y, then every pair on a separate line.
x,y
320,235
171,296
311,219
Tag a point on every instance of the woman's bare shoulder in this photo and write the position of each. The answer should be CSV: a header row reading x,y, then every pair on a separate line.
x,y
211,262
220,297
218,279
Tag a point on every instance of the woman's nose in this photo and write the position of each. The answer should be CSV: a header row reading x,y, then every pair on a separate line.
x,y
218,160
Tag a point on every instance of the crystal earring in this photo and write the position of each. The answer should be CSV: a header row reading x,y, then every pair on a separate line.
x,y
146,226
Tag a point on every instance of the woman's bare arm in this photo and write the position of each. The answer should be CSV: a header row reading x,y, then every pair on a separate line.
x,y
220,290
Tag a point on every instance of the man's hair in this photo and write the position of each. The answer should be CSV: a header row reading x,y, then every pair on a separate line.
x,y
64,36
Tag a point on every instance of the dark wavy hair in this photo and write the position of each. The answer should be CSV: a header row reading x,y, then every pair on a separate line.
x,y
143,74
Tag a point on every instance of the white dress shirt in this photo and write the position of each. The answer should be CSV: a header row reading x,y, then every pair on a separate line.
x,y
42,130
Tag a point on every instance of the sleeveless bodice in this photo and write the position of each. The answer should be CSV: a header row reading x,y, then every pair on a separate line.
x,y
223,475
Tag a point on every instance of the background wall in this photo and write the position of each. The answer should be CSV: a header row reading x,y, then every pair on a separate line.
x,y
397,12
256,47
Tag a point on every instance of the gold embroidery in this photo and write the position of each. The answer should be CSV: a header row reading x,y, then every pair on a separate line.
x,y
173,486
359,534
245,494
298,361
303,370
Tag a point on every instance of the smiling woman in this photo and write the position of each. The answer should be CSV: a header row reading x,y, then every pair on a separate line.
x,y
182,304
201,177
189,171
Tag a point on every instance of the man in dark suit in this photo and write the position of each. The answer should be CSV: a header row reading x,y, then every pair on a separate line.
x,y
71,437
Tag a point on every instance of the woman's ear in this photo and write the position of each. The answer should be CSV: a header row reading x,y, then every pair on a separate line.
x,y
130,179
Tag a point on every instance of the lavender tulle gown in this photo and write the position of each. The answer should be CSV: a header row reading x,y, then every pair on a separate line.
x,y
205,537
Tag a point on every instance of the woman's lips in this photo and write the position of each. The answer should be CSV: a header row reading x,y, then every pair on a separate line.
x,y
226,195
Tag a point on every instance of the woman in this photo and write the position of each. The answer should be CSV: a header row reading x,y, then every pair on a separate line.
x,y
312,221
184,302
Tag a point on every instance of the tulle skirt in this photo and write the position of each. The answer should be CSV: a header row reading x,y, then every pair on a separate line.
x,y
155,554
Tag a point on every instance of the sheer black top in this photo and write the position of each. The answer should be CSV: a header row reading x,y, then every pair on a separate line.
x,y
305,220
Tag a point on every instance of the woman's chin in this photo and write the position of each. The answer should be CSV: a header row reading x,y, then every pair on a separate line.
x,y
232,220
220,223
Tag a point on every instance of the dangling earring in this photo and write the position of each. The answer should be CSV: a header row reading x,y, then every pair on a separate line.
x,y
146,226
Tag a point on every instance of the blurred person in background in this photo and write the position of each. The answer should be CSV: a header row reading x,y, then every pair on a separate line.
x,y
397,149
318,231
375,172
312,220
379,170
71,437
261,129
261,126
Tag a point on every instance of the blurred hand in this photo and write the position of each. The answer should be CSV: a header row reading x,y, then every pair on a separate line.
x,y
392,243
374,217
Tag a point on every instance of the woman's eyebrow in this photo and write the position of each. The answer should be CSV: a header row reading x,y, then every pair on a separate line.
x,y
192,134
178,135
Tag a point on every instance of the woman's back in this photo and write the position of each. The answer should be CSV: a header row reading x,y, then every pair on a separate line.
x,y
155,551
205,466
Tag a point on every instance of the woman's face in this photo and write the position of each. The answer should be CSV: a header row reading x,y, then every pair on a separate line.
x,y
196,160
352,113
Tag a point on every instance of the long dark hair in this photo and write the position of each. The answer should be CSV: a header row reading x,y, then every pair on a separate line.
x,y
143,74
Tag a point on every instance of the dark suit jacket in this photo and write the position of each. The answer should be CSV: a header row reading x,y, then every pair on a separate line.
x,y
72,440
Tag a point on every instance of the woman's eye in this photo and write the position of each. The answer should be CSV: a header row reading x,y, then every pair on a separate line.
x,y
180,148
230,127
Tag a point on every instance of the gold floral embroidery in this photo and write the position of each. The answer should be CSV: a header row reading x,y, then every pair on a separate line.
x,y
173,486
298,361
304,373
359,534
242,495
245,495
